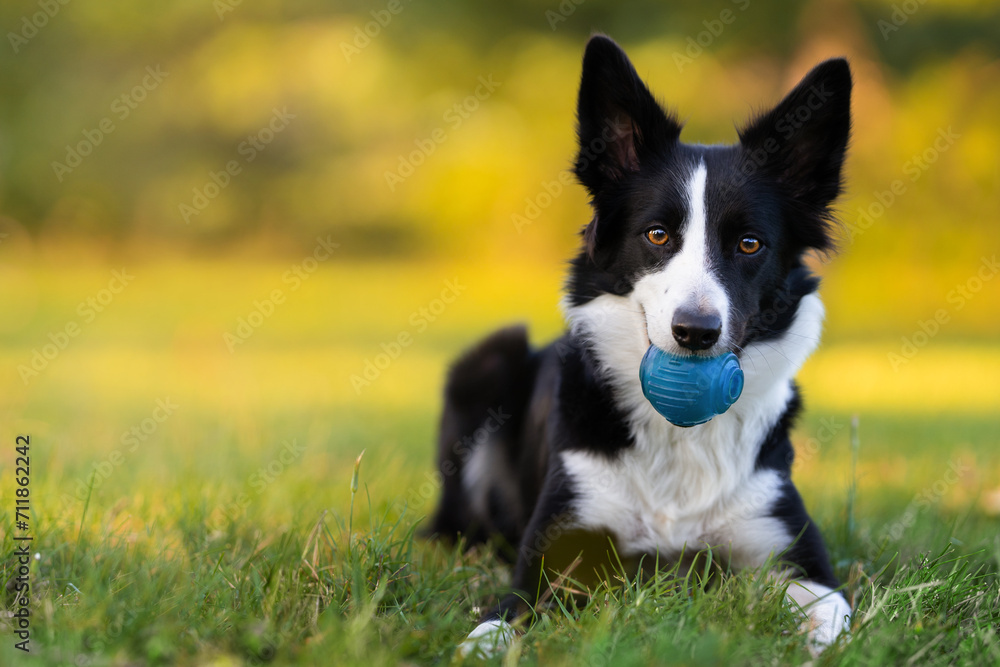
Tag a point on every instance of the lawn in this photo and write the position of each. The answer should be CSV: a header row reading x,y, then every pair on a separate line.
x,y
193,505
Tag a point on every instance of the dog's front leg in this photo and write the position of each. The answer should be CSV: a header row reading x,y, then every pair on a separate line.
x,y
552,540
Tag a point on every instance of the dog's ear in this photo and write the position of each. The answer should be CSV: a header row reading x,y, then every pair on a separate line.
x,y
619,124
801,144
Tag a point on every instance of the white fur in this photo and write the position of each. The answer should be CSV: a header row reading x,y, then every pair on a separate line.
x,y
828,611
487,470
767,364
687,279
488,639
662,499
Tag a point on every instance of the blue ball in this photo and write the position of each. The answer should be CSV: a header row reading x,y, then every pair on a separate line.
x,y
690,389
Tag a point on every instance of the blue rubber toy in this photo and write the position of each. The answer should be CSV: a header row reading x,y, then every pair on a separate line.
x,y
690,390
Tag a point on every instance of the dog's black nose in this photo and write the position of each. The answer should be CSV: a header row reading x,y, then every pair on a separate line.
x,y
696,330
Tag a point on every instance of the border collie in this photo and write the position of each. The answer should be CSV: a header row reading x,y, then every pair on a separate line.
x,y
699,251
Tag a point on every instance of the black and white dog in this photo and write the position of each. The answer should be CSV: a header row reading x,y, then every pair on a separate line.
x,y
698,250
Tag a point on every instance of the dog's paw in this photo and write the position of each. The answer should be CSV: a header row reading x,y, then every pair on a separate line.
x,y
828,614
488,639
828,619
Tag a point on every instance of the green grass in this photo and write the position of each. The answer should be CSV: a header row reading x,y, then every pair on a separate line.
x,y
167,579
185,552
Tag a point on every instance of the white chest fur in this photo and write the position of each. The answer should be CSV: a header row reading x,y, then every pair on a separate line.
x,y
683,488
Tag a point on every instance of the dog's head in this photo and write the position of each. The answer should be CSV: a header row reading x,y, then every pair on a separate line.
x,y
701,247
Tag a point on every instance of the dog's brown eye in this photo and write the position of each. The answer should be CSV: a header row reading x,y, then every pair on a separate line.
x,y
657,236
750,245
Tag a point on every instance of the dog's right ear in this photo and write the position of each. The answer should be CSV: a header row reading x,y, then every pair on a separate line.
x,y
619,123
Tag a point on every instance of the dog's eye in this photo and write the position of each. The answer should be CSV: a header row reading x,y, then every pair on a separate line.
x,y
658,236
750,245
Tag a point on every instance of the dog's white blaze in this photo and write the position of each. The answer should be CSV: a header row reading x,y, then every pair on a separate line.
x,y
488,639
687,279
828,611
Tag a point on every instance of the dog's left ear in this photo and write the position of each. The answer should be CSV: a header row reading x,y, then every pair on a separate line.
x,y
802,142
619,123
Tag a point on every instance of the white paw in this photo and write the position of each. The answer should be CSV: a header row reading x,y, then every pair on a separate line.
x,y
488,639
828,611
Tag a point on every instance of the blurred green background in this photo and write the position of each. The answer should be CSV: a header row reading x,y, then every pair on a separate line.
x,y
399,168
361,104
